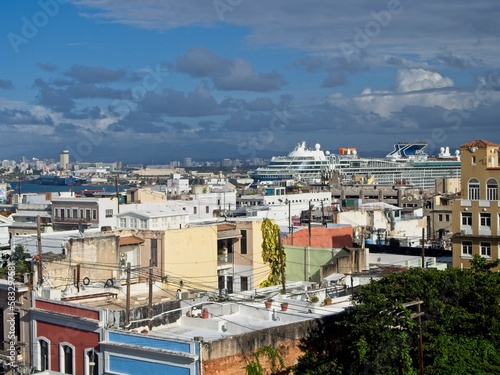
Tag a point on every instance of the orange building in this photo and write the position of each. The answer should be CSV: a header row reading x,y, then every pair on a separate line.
x,y
337,237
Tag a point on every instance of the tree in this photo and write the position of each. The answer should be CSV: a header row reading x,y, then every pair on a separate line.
x,y
461,327
480,264
18,258
271,252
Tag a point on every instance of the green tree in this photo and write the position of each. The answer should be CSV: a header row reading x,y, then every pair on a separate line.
x,y
18,257
379,335
480,264
271,252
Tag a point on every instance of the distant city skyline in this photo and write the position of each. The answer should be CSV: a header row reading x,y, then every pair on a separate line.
x,y
168,80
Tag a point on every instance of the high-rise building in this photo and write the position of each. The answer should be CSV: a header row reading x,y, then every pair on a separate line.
x,y
64,159
188,162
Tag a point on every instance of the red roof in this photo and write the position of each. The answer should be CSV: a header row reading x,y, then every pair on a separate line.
x,y
479,143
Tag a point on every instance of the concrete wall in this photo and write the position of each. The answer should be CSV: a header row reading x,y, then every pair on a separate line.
x,y
91,254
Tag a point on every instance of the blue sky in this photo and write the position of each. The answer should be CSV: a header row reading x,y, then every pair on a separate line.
x,y
160,80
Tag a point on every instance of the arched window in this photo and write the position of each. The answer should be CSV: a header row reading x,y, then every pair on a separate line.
x,y
474,189
91,362
66,358
43,358
492,190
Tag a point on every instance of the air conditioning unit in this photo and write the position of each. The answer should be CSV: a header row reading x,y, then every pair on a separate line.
x,y
184,295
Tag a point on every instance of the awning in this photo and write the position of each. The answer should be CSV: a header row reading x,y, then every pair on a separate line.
x,y
130,240
224,234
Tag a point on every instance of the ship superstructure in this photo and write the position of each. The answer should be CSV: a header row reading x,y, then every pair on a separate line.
x,y
406,164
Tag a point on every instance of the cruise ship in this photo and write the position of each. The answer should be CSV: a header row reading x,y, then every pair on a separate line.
x,y
407,164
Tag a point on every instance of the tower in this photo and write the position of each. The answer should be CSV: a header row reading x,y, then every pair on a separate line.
x,y
64,159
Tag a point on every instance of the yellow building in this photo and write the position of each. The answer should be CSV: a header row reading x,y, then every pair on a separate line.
x,y
217,257
476,222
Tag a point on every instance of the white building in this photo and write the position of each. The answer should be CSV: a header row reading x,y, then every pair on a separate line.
x,y
152,220
282,207
70,212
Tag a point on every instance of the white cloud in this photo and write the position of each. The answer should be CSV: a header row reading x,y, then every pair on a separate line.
x,y
420,79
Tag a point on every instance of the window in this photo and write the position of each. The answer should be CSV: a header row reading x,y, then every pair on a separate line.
x,y
485,249
56,212
485,219
467,219
467,248
123,223
75,213
81,214
87,214
94,214
473,160
447,218
154,252
62,213
440,217
143,223
207,209
492,190
43,358
66,358
243,242
194,210
133,222
91,362
68,212
474,189
244,283
109,213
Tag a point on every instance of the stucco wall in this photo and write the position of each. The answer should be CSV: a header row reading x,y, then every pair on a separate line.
x,y
321,237
96,257
190,256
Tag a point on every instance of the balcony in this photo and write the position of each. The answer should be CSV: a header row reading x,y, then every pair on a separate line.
x,y
71,220
225,261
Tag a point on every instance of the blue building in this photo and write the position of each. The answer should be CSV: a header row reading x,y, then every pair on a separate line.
x,y
132,353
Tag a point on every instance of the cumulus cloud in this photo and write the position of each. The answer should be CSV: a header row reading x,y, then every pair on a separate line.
x,y
420,79
226,74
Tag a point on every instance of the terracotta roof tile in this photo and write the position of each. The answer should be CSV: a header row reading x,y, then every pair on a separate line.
x,y
480,143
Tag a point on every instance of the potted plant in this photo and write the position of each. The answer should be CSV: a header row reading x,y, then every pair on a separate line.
x,y
328,300
315,299
268,302
284,306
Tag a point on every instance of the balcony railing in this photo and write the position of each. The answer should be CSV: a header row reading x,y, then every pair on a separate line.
x,y
225,259
71,219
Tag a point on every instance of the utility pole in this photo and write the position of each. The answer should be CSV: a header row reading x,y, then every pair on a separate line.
x,y
150,299
39,245
418,315
117,194
310,219
127,303
423,247
78,278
